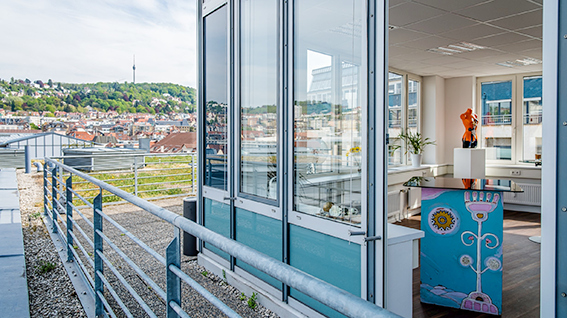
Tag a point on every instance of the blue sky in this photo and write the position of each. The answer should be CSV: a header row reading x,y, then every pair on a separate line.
x,y
83,41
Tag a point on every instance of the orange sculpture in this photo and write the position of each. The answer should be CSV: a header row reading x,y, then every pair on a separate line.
x,y
470,121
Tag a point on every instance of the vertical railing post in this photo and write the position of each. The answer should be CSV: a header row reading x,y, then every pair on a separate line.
x,y
54,205
135,176
69,200
98,264
173,257
193,173
45,190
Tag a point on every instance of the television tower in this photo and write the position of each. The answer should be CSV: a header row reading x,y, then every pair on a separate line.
x,y
134,70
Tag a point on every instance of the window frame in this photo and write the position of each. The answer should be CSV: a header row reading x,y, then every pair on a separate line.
x,y
406,77
517,108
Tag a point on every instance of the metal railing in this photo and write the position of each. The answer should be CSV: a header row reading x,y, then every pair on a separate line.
x,y
59,196
149,176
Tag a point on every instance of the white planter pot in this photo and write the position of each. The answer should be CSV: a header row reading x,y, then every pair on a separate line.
x,y
416,160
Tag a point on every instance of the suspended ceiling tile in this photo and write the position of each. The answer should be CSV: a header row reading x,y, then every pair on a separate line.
x,y
394,50
441,24
518,47
442,60
500,39
535,31
534,54
428,42
472,32
497,9
394,3
450,6
499,58
410,12
402,35
520,21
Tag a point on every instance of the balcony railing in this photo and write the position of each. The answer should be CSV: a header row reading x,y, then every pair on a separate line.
x,y
497,119
61,196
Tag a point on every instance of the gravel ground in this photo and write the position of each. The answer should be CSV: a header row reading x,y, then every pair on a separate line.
x,y
51,293
151,230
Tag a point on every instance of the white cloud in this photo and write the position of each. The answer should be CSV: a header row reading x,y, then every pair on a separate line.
x,y
89,41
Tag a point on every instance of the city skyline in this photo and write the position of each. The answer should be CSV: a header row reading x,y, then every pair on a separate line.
x,y
86,42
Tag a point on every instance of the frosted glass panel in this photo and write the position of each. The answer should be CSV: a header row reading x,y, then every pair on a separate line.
x,y
328,258
263,234
217,219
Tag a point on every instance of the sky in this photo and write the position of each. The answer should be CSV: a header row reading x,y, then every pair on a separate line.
x,y
87,41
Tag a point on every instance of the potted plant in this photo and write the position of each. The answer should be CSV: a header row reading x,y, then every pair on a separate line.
x,y
415,144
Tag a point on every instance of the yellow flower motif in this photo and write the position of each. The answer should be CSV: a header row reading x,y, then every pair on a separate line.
x,y
353,150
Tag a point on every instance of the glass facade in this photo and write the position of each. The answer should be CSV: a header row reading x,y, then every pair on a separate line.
x,y
263,234
328,100
259,98
215,27
328,258
532,118
321,172
496,120
217,218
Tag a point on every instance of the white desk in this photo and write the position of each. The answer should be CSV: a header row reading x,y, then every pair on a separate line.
x,y
403,257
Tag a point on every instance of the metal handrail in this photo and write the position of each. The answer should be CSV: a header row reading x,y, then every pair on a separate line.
x,y
329,295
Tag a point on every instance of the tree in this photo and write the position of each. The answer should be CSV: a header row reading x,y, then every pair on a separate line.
x,y
34,126
50,83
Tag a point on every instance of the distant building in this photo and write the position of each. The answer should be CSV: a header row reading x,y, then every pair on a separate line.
x,y
176,142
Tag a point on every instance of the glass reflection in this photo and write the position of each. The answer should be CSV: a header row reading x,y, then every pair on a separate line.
x,y
216,98
496,119
328,97
395,118
259,98
532,118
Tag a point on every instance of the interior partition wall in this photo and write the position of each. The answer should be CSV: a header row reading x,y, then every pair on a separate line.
x,y
292,139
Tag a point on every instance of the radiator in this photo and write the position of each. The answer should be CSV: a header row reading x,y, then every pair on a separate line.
x,y
397,204
530,196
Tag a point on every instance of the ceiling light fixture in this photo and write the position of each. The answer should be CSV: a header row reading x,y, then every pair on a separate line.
x,y
457,48
520,62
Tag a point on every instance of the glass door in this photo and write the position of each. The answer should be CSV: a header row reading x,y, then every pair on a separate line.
x,y
258,214
328,161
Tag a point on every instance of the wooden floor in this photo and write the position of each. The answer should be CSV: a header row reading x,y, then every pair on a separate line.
x,y
521,276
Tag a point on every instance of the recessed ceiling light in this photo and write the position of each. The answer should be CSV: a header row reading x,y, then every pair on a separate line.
x,y
457,48
520,62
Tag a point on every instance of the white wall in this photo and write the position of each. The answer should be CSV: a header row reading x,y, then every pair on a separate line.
x,y
459,95
433,118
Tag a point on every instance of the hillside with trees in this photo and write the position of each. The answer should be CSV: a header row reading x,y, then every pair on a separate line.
x,y
17,94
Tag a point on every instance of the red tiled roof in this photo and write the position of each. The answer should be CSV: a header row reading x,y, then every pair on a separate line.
x,y
82,135
177,140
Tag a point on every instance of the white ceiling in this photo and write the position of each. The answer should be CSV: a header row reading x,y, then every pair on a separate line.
x,y
509,29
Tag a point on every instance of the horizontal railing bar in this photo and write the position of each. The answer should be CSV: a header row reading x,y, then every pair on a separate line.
x,y
115,295
205,293
57,190
165,182
136,240
82,216
127,285
85,236
164,175
105,303
49,182
48,201
165,189
135,267
327,294
83,267
178,310
80,197
60,205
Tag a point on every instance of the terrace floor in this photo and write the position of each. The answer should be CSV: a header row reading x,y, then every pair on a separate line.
x,y
521,274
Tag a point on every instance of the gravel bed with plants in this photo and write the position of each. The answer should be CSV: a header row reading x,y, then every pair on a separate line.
x,y
51,292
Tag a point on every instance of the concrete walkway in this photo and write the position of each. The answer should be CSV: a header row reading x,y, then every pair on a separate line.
x,y
13,284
